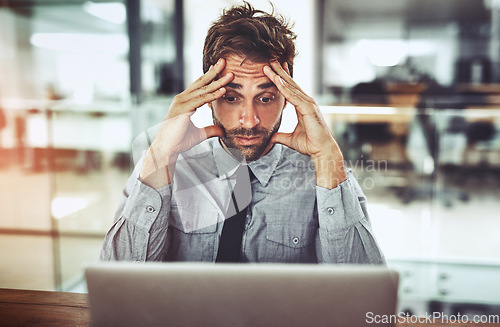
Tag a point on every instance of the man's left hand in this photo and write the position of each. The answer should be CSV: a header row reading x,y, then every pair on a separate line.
x,y
311,136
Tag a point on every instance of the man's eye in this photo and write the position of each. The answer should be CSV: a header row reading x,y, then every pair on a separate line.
x,y
229,99
266,99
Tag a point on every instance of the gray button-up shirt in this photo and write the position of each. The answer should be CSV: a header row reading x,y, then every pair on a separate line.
x,y
289,219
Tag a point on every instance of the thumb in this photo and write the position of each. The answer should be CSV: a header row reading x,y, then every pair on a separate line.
x,y
282,138
212,131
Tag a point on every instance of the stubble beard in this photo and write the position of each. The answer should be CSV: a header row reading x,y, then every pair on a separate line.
x,y
249,152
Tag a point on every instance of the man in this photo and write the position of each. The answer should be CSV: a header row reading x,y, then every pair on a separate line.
x,y
239,191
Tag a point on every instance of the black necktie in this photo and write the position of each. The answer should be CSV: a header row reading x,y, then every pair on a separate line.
x,y
232,232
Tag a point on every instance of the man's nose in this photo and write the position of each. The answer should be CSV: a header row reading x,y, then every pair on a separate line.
x,y
248,116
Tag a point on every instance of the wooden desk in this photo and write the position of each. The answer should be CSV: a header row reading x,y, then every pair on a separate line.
x,y
42,308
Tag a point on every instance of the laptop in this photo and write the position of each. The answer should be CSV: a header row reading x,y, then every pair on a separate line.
x,y
207,294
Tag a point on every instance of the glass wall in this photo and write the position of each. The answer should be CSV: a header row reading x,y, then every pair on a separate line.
x,y
67,129
414,94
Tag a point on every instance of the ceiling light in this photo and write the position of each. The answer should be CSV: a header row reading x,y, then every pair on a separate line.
x,y
113,12
82,43
383,53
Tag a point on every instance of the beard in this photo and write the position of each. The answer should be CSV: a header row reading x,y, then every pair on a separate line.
x,y
249,152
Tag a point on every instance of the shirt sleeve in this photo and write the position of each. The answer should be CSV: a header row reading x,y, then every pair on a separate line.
x,y
345,232
141,222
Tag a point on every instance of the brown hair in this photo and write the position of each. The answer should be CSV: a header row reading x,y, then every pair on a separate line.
x,y
253,34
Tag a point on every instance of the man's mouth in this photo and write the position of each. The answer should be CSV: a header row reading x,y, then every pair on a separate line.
x,y
248,140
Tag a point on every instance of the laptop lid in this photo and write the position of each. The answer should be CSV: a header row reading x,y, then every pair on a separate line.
x,y
204,294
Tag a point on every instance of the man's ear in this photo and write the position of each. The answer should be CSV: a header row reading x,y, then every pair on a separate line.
x,y
210,105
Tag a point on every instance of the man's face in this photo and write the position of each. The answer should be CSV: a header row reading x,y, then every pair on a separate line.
x,y
250,111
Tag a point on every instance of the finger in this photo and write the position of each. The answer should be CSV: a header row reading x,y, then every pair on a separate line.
x,y
284,72
274,76
275,65
286,68
204,98
189,102
209,76
180,106
290,93
213,131
213,86
296,91
282,138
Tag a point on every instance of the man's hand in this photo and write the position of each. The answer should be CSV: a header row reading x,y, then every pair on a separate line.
x,y
311,136
177,132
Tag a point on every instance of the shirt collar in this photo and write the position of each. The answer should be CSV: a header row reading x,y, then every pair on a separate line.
x,y
262,168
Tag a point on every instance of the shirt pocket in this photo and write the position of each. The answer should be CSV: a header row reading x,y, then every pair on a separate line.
x,y
291,242
192,233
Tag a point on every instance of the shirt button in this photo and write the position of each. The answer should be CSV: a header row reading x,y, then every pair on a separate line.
x,y
295,240
150,209
330,210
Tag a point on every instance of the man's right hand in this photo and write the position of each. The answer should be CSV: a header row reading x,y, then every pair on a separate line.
x,y
177,132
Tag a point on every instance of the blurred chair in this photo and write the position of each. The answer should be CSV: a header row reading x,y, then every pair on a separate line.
x,y
419,150
369,93
435,147
362,136
481,136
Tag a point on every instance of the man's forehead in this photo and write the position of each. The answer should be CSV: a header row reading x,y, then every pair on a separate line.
x,y
247,74
243,66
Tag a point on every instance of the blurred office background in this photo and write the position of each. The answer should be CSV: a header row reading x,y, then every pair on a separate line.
x,y
410,88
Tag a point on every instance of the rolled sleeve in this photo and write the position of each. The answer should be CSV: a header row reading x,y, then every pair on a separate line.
x,y
345,232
